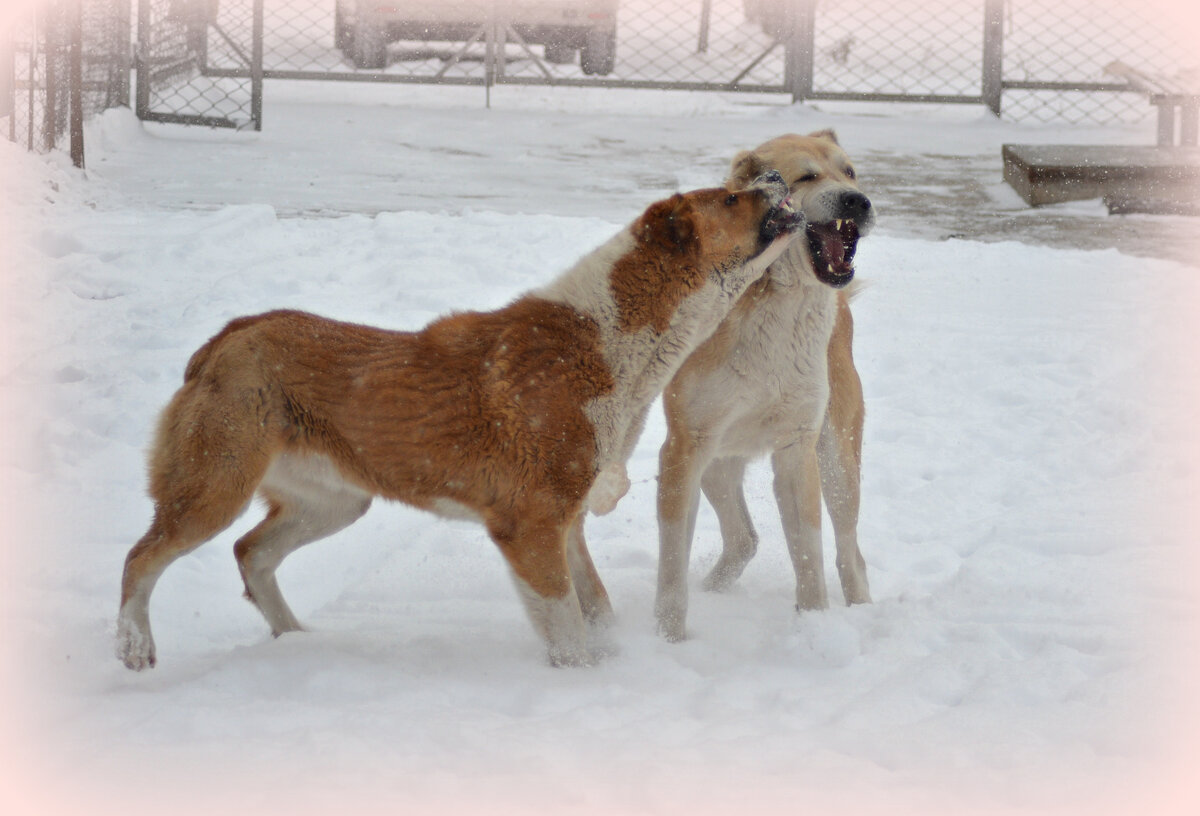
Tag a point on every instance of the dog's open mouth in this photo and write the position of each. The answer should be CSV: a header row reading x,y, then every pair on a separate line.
x,y
832,246
781,218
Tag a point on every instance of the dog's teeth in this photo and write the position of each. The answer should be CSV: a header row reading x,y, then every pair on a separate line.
x,y
837,224
829,268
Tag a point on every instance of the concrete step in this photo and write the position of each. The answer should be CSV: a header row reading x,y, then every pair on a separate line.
x,y
1150,179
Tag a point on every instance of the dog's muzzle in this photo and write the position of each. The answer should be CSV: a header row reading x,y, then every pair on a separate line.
x,y
782,217
833,244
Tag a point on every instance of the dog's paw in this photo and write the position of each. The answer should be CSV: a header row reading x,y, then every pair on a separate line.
x,y
578,657
727,570
719,580
671,627
611,484
135,647
672,633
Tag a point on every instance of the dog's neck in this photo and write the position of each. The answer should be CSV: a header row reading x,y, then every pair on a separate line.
x,y
642,361
794,270
788,299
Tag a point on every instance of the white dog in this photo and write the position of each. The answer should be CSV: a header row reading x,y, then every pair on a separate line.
x,y
776,377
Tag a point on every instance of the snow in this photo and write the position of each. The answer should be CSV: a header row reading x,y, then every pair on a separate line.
x,y
1029,464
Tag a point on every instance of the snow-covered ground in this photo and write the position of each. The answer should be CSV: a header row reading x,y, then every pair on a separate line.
x,y
1029,464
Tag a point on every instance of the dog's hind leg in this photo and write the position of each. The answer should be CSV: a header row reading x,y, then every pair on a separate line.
x,y
798,493
593,598
172,534
307,501
204,469
722,486
839,465
839,452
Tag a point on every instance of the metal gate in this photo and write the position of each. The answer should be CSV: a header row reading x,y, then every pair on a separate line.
x,y
203,61
722,45
678,44
199,62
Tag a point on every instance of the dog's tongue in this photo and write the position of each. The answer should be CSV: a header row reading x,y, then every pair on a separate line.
x,y
832,248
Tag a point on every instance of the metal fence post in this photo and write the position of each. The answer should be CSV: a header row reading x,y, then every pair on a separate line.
x,y
31,68
75,81
8,87
801,30
489,54
141,62
123,26
256,65
50,38
993,54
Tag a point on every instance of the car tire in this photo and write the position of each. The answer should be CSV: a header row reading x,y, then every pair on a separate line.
x,y
343,37
369,49
599,53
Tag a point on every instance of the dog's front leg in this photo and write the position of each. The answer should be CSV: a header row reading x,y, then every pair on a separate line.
x,y
681,462
535,547
798,493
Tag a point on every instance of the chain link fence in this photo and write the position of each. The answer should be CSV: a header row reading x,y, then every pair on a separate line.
x,y
1049,54
880,48
199,62
640,43
1055,53
204,61
64,61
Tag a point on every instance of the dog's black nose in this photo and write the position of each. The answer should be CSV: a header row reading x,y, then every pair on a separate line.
x,y
855,206
770,177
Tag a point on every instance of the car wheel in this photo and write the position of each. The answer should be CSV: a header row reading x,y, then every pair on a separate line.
x,y
599,53
342,36
369,50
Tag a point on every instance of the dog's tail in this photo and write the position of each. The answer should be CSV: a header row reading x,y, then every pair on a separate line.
x,y
856,288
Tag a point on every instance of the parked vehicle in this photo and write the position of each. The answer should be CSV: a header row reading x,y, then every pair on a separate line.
x,y
364,28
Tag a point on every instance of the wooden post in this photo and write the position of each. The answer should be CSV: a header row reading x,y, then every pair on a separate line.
x,y
1189,122
1166,122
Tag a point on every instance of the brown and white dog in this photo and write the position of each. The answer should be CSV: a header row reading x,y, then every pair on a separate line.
x,y
776,377
504,417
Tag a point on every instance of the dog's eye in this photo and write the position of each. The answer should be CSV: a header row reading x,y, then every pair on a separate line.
x,y
850,174
731,199
806,177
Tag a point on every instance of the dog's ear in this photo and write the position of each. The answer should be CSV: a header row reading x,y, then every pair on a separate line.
x,y
745,168
669,224
827,134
